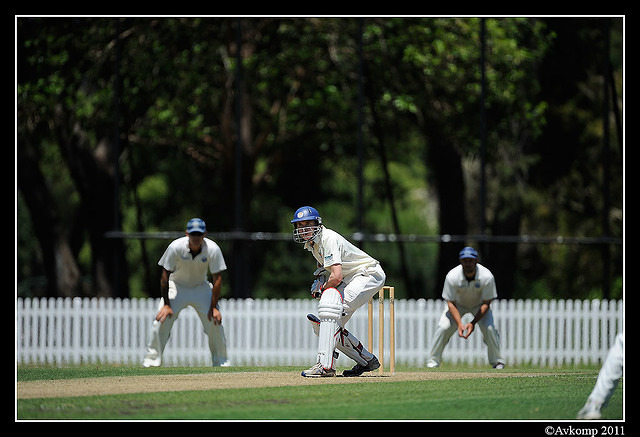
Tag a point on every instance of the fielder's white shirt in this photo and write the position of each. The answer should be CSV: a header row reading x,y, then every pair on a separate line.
x,y
469,294
332,248
189,271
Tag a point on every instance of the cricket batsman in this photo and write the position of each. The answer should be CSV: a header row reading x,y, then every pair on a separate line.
x,y
346,278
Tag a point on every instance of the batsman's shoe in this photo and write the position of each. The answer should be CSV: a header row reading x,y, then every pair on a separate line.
x,y
317,371
359,369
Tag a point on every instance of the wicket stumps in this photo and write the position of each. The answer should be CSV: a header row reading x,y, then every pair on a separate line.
x,y
392,329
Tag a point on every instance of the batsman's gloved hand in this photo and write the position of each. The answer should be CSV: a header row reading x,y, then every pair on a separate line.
x,y
322,275
316,287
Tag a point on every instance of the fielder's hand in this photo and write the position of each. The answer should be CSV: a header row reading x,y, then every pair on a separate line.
x,y
465,331
164,312
215,316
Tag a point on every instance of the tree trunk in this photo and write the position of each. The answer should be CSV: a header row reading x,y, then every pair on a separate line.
x,y
445,164
60,267
501,258
93,173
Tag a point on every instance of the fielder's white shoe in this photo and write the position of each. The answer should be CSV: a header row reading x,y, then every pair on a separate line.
x,y
432,363
317,371
498,366
590,411
151,362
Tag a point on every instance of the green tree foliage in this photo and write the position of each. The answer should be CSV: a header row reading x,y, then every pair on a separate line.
x,y
133,124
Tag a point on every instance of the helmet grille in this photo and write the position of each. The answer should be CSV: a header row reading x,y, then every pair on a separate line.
x,y
307,233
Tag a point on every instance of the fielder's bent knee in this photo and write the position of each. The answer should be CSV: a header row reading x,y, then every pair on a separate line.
x,y
445,321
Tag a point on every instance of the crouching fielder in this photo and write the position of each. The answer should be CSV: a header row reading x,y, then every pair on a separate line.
x,y
347,278
468,288
192,269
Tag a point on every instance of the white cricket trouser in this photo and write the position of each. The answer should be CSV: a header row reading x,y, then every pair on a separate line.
x,y
180,297
360,289
447,326
610,373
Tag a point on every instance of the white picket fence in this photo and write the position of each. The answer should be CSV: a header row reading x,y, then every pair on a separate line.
x,y
276,332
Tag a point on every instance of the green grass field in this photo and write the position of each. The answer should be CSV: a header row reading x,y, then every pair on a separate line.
x,y
458,393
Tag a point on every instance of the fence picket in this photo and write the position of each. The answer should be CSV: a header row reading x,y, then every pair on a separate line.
x,y
276,332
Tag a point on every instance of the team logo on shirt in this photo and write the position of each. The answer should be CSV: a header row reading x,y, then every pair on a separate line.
x,y
328,258
204,259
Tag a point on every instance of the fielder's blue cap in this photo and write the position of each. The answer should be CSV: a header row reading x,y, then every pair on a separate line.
x,y
196,225
468,252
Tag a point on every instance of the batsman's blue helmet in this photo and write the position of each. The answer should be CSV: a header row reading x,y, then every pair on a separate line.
x,y
308,233
306,213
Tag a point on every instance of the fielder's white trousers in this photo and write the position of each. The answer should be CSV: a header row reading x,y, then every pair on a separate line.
x,y
447,326
610,374
180,297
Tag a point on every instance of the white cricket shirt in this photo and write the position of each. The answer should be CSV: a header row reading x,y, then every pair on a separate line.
x,y
191,271
332,248
469,294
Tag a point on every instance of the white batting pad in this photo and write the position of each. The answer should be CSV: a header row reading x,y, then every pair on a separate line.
x,y
329,311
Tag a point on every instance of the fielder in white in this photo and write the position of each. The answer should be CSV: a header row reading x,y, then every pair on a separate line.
x,y
468,288
192,269
608,379
346,279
